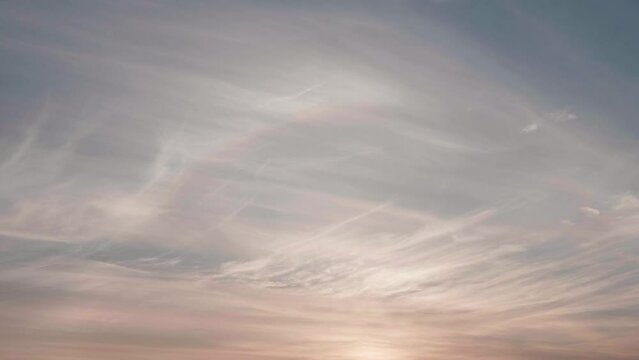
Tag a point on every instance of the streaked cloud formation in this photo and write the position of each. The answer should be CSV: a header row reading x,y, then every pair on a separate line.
x,y
359,180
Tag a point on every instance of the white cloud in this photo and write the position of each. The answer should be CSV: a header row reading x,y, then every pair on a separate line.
x,y
530,128
561,115
627,202
589,211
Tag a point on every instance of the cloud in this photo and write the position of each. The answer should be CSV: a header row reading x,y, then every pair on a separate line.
x,y
627,202
530,128
275,181
589,212
562,115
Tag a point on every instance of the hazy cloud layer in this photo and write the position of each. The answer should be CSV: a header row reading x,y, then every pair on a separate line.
x,y
359,180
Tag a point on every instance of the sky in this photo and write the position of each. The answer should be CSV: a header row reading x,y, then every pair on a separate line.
x,y
306,180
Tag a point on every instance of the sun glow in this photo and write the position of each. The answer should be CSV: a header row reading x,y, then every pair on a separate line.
x,y
372,352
